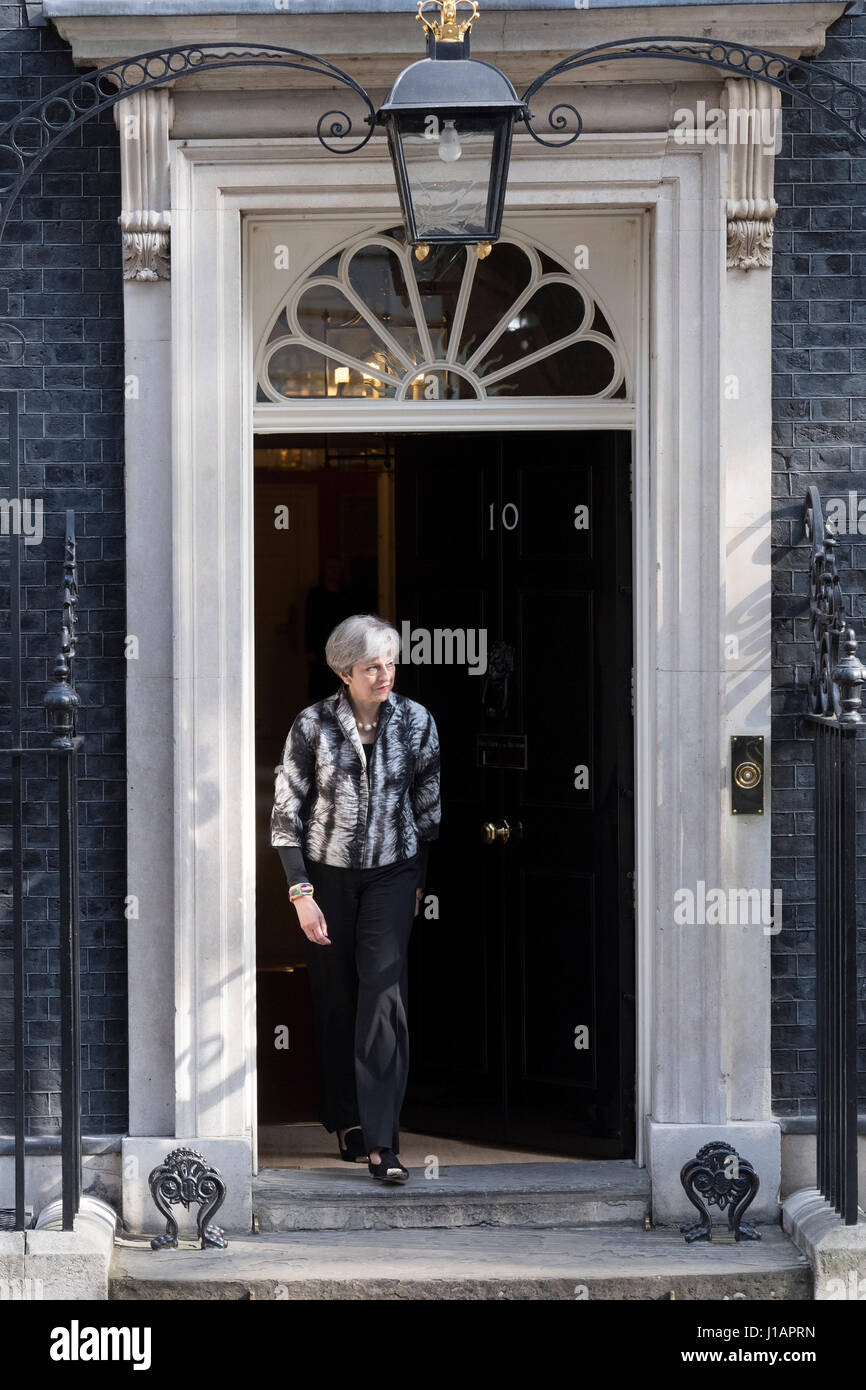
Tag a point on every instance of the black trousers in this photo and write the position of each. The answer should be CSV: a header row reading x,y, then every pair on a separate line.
x,y
359,990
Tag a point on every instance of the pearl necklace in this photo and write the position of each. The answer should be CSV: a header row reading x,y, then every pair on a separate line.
x,y
360,723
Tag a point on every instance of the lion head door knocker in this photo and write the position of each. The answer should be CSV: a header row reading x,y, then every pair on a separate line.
x,y
495,692
724,1180
184,1176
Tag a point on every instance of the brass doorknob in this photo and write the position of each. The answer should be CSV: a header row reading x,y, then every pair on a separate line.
x,y
490,833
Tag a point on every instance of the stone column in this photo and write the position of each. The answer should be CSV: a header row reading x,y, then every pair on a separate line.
x,y
143,121
160,1117
725,995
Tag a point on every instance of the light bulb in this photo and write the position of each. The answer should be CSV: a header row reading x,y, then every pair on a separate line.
x,y
450,148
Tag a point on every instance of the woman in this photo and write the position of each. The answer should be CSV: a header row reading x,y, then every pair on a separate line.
x,y
356,806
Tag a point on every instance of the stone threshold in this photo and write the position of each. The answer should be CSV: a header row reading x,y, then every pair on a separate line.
x,y
602,1263
578,1192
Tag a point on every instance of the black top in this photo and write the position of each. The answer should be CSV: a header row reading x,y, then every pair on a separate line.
x,y
296,872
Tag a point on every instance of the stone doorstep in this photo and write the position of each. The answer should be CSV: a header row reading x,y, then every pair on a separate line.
x,y
582,1193
602,1263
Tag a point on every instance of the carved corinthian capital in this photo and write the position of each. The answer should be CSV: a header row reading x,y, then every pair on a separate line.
x,y
144,121
754,133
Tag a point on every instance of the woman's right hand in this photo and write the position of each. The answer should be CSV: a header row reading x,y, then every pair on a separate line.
x,y
312,920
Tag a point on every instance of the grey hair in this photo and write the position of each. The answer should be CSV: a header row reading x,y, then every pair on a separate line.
x,y
358,639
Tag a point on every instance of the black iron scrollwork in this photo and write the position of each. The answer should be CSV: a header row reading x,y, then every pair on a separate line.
x,y
34,132
61,699
837,674
722,1179
557,120
186,1177
841,100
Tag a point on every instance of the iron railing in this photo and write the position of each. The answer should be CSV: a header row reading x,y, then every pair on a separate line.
x,y
834,713
61,703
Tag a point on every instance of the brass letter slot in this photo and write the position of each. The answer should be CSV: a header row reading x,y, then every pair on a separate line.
x,y
747,775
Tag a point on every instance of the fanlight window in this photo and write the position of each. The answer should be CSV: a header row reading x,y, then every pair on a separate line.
x,y
372,322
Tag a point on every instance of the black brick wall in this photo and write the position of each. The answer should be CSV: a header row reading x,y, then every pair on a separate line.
x,y
60,282
819,435
60,285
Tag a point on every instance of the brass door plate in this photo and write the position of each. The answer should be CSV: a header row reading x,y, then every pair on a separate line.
x,y
747,775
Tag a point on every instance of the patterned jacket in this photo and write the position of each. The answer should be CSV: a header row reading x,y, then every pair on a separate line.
x,y
331,807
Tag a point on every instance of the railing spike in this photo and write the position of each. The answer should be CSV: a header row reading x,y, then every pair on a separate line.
x,y
836,677
61,700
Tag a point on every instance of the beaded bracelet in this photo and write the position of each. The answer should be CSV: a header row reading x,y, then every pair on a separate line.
x,y
300,890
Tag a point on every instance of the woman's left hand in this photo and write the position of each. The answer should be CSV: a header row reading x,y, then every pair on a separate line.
x,y
419,893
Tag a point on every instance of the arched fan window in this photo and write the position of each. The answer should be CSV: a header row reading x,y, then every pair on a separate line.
x,y
372,322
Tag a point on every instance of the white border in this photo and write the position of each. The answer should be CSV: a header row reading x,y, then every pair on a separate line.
x,y
684,1013
210,196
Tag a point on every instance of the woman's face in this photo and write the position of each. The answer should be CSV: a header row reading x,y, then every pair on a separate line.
x,y
371,680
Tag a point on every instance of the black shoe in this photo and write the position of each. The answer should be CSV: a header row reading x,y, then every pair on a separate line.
x,y
389,1168
355,1146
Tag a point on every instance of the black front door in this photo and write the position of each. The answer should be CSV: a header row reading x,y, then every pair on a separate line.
x,y
513,574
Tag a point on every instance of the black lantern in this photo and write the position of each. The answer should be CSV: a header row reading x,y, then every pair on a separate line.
x,y
449,120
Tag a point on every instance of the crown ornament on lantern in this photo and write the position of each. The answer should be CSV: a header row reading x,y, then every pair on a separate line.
x,y
447,28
